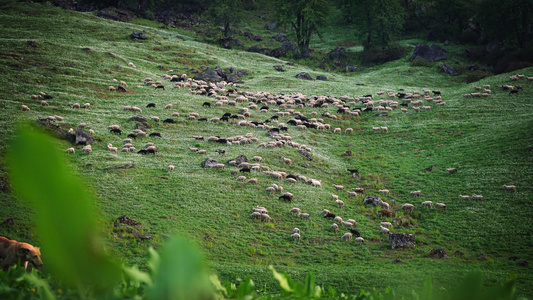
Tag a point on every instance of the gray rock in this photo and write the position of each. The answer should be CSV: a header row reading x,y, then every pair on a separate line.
x,y
239,159
449,69
82,138
372,200
139,119
305,154
209,163
321,77
138,35
429,53
271,26
208,75
401,240
438,253
304,75
280,37
279,68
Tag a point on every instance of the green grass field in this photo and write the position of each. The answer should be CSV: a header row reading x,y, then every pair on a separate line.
x,y
489,140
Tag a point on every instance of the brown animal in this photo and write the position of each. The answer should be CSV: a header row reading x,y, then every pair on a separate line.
x,y
11,252
386,213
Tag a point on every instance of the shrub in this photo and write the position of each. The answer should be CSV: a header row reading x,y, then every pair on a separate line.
x,y
420,62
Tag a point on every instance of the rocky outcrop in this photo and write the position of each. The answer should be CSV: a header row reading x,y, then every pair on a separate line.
x,y
401,240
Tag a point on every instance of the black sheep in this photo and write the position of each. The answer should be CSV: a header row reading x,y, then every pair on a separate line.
x,y
245,170
121,88
150,105
132,135
206,104
224,119
116,130
160,87
222,141
355,232
274,118
226,115
220,151
171,121
353,170
513,92
142,151
202,120
292,122
285,197
329,216
265,107
436,93
367,109
283,128
47,97
155,134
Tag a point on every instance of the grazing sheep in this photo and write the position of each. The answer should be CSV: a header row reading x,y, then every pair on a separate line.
x,y
257,158
510,188
304,216
71,150
87,149
266,218
291,180
441,205
155,119
452,170
338,187
24,108
340,203
171,168
386,213
329,215
464,197
44,103
131,65
168,106
385,192
253,180
384,128
86,105
384,230
287,160
337,130
384,205
202,151
295,236
348,130
335,227
334,197
91,132
241,178
337,219
408,206
348,224
315,183
295,211
477,197
360,240
416,193
111,88
387,224
112,149
428,203
286,196
352,194
270,189
346,237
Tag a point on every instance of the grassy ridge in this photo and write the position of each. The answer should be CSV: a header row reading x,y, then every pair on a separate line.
x,y
487,139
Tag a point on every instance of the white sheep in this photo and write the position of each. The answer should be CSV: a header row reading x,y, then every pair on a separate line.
x,y
510,187
44,103
24,108
91,132
296,230
360,240
87,149
408,206
335,227
241,178
71,150
111,88
287,160
416,193
352,194
348,224
334,197
270,190
201,151
337,130
266,218
384,230
295,211
168,106
155,119
253,180
452,170
257,158
387,224
441,205
477,197
304,216
337,219
112,149
255,215
131,65
464,197
347,237
340,203
385,192
385,205
295,236
86,105
338,187
428,203
171,168
348,130
291,180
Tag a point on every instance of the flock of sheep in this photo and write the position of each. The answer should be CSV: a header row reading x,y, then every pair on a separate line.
x,y
285,113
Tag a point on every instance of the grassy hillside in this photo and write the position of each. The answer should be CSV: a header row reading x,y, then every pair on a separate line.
x,y
75,58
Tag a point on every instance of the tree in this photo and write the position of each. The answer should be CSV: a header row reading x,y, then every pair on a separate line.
x,y
380,21
305,17
226,13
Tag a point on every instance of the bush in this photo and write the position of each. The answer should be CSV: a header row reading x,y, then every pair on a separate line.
x,y
378,55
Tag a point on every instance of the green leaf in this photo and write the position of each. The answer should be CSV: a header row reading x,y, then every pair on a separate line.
x,y
65,217
282,279
180,273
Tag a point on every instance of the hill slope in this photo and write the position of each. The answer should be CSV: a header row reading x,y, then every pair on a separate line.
x,y
76,56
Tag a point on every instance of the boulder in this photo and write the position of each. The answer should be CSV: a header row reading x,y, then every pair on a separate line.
x,y
82,137
208,75
449,70
372,200
401,240
230,43
258,49
438,253
240,159
209,163
279,68
321,77
305,154
138,35
429,53
139,119
282,37
304,75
